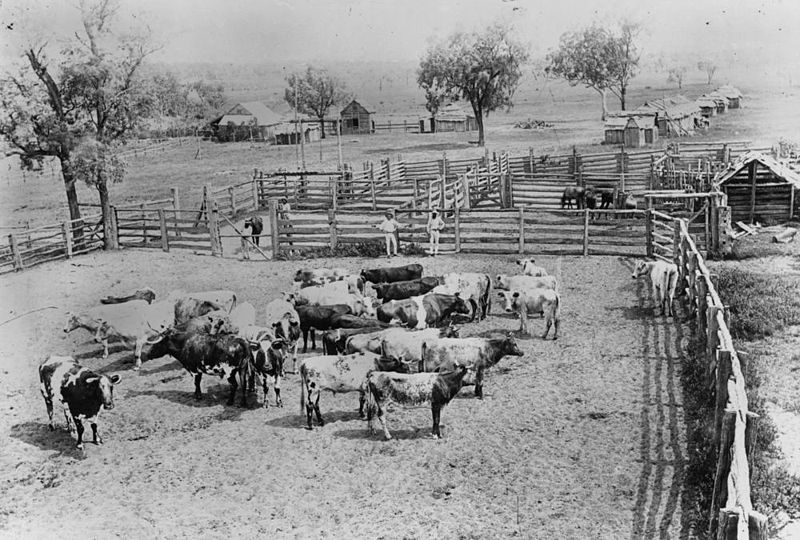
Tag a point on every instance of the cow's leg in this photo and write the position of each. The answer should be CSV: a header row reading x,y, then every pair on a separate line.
x,y
68,418
48,402
105,347
361,400
198,395
305,343
382,418
79,428
234,386
547,324
265,387
294,357
479,383
96,438
276,384
313,339
137,352
436,409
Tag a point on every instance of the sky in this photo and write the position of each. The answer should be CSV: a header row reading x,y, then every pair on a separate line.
x,y
252,31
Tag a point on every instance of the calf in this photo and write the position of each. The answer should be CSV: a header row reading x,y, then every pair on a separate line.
x,y
282,317
392,274
664,280
412,389
318,318
268,366
529,268
401,290
147,294
478,354
82,393
338,374
534,301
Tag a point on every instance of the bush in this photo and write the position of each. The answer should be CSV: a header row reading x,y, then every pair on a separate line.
x,y
372,248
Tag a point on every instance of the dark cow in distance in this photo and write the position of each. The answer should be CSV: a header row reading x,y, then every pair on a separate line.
x,y
393,274
438,389
318,318
400,290
81,392
422,312
147,294
256,225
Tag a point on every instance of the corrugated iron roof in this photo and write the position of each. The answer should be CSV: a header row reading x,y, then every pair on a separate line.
x,y
676,106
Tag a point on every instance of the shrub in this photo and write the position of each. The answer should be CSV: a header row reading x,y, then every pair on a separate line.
x,y
371,248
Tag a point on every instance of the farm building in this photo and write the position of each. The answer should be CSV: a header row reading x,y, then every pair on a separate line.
x,y
357,118
246,121
759,188
452,117
720,100
630,130
733,95
285,131
674,116
708,106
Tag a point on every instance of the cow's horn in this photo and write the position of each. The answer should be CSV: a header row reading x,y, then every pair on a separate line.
x,y
159,338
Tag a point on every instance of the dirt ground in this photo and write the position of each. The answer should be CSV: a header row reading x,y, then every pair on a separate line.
x,y
582,437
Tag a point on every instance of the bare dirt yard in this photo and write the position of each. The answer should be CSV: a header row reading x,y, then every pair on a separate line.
x,y
582,437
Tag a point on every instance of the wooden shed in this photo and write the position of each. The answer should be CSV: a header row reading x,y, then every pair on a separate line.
x,y
759,188
733,95
250,120
630,130
285,132
675,115
708,106
452,117
357,118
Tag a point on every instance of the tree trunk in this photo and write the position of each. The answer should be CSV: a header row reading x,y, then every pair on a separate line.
x,y
622,91
605,106
109,238
479,119
322,126
72,201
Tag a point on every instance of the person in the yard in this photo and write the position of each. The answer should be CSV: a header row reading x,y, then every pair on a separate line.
x,y
389,227
434,228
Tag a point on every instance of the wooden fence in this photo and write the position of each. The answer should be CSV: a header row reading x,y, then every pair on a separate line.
x,y
169,229
734,431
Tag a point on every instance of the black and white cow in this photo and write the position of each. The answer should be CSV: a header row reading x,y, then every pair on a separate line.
x,y
269,366
81,392
419,312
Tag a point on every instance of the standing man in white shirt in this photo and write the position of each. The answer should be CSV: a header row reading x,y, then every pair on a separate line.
x,y
389,226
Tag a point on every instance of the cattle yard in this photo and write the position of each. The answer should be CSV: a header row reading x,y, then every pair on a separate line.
x,y
594,416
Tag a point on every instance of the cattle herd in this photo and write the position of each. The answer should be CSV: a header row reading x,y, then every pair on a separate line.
x,y
400,345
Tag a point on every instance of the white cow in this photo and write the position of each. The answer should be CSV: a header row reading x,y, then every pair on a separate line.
x,y
225,299
244,314
664,280
472,287
529,268
527,301
507,282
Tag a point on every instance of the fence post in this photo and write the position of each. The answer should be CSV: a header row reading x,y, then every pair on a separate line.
x,y
676,244
332,227
176,207
114,226
334,193
723,470
254,192
416,194
144,225
66,233
232,200
522,229
723,374
162,220
12,241
648,223
372,185
213,230
457,228
273,227
585,232
465,187
531,161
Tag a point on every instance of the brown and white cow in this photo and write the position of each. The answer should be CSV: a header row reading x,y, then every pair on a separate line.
x,y
478,354
283,318
268,365
420,312
530,301
663,279
399,343
339,374
81,392
307,277
438,389
529,268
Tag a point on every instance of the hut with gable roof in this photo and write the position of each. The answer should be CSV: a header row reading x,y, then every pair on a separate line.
x,y
357,118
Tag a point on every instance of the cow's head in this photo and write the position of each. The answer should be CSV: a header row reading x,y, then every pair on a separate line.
x,y
511,300
287,330
501,282
460,306
640,269
510,346
290,297
449,331
102,388
73,322
169,342
364,306
276,355
525,262
146,294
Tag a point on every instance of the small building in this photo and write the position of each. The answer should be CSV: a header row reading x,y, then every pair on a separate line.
x,y
733,95
452,117
357,118
632,131
285,132
675,115
720,100
246,121
759,188
708,106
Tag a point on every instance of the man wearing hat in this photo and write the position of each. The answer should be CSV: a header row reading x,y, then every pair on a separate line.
x,y
389,227
434,228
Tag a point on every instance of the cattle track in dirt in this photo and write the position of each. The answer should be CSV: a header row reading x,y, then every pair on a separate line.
x,y
581,437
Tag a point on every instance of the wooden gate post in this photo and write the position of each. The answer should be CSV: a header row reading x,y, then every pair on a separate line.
x,y
213,230
273,227
585,232
332,228
720,492
66,233
113,228
144,225
162,220
457,229
254,192
12,241
465,188
232,198
372,185
648,220
521,230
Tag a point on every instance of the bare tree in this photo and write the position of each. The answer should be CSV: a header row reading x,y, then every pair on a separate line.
x,y
709,67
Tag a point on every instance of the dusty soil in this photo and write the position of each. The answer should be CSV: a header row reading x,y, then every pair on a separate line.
x,y
581,437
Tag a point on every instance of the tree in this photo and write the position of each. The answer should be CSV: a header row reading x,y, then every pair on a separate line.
x,y
709,67
483,68
597,59
79,108
317,92
676,74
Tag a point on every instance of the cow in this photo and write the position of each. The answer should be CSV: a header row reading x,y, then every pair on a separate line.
x,y
199,353
528,301
438,389
358,304
81,392
318,318
472,287
606,198
339,374
189,308
590,198
268,364
256,225
335,341
281,316
147,294
529,268
399,343
573,193
136,323
223,298
307,277
244,314
478,354
420,312
663,279
392,274
506,282
401,290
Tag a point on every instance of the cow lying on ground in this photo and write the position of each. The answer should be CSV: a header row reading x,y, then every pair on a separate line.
x,y
189,308
530,301
359,305
664,281
401,290
419,312
320,276
412,389
223,355
146,294
393,274
399,343
338,374
473,288
268,365
478,354
529,268
81,392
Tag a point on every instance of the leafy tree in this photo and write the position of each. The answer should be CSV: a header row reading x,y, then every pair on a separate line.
x,y
598,59
79,107
709,67
483,68
317,92
675,74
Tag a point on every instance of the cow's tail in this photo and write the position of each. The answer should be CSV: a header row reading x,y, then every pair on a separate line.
x,y
233,303
487,295
303,389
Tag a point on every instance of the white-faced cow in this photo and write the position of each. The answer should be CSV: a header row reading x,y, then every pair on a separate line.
x,y
530,301
473,288
663,279
420,312
81,392
529,268
506,282
438,389
478,354
268,365
283,318
339,374
392,274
